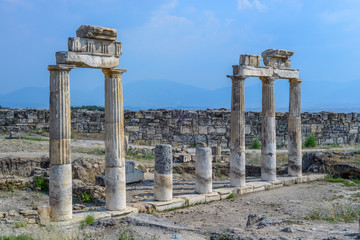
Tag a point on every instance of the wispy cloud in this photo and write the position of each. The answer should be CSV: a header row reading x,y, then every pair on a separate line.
x,y
243,4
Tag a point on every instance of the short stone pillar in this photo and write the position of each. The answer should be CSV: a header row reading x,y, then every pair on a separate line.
x,y
294,127
237,133
115,179
60,177
268,130
203,170
163,173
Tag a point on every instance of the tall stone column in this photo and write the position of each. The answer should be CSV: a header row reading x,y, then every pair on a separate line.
x,y
294,127
60,177
115,181
268,130
237,132
203,170
163,176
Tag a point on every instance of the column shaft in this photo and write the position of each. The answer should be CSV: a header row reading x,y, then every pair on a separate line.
x,y
203,170
60,177
115,181
163,187
294,127
237,133
268,131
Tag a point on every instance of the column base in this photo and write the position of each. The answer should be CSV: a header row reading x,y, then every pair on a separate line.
x,y
60,192
115,184
237,169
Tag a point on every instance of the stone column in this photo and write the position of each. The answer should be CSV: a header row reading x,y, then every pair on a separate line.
x,y
203,170
294,127
115,181
268,130
237,132
163,173
60,177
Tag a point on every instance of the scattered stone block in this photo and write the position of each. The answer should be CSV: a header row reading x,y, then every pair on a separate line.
x,y
172,204
224,192
214,196
15,135
192,199
183,158
44,215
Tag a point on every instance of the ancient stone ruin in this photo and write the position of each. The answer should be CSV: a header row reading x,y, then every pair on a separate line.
x,y
277,66
93,47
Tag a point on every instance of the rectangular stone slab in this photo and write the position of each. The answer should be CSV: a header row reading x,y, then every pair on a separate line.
x,y
250,71
95,46
83,60
96,32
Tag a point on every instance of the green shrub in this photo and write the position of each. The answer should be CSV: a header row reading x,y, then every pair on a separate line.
x,y
72,135
88,220
335,212
41,182
85,197
310,141
19,237
231,196
255,144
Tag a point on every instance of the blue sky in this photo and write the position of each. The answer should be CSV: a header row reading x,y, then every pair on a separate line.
x,y
186,41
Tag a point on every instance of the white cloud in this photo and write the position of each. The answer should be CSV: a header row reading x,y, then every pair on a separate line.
x,y
243,4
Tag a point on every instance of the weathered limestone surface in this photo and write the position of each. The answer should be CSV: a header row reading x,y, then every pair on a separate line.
x,y
184,127
251,71
86,60
268,131
237,133
95,46
294,127
163,173
96,32
277,58
60,192
60,177
203,170
60,114
115,181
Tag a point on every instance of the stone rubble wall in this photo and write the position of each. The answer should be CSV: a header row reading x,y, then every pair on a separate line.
x,y
186,127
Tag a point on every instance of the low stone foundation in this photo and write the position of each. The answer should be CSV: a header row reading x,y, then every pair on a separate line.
x,y
187,127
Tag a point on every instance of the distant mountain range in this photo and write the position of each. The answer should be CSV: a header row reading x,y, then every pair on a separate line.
x,y
146,94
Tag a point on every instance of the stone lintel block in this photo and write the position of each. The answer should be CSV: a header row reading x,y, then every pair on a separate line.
x,y
250,60
192,199
286,73
60,151
172,204
96,32
95,46
251,71
277,58
214,196
83,60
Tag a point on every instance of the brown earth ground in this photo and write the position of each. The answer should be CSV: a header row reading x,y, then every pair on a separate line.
x,y
290,212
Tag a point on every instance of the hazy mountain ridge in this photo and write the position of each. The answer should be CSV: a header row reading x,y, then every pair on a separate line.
x,y
148,94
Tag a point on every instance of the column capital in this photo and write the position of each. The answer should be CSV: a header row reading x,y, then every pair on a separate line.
x,y
268,80
60,67
236,78
295,80
113,72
